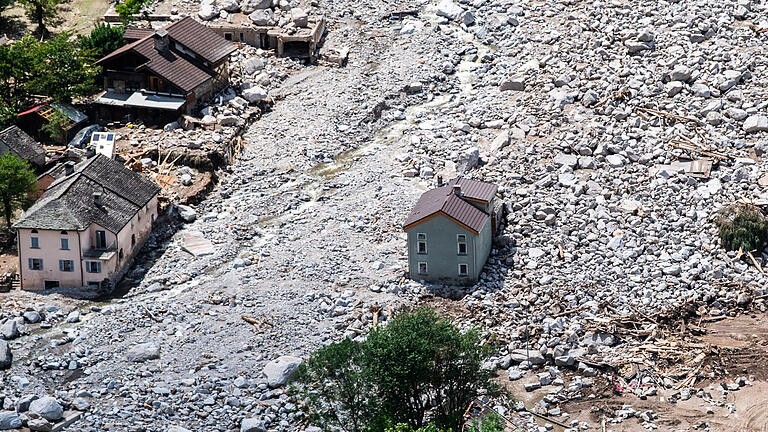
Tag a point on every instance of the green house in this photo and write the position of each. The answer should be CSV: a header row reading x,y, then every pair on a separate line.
x,y
451,230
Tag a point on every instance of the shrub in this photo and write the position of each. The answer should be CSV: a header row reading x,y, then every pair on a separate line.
x,y
420,368
742,227
488,423
103,39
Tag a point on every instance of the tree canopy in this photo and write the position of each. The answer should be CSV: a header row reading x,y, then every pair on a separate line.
x,y
103,39
418,369
17,184
41,12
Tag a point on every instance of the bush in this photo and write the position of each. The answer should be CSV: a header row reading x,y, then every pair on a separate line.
x,y
103,39
742,227
489,423
420,368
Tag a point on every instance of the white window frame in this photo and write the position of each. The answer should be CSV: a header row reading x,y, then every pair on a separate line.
x,y
459,242
426,268
421,238
466,273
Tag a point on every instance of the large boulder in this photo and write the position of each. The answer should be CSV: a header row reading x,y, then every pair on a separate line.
x,y
229,5
254,94
208,12
280,370
299,17
6,356
756,123
253,65
32,317
9,330
252,425
449,9
263,17
177,429
47,408
249,6
186,213
143,352
9,420
468,160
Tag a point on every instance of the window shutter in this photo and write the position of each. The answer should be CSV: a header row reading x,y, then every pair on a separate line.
x,y
61,265
31,267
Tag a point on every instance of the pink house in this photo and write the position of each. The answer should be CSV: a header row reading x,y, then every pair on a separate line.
x,y
87,227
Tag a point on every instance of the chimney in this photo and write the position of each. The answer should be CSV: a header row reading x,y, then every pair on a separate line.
x,y
69,167
439,181
457,190
97,198
161,40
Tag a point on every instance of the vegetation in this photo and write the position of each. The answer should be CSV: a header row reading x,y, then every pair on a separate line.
x,y
742,227
402,427
4,4
55,68
489,423
17,184
41,12
420,368
56,127
128,8
103,39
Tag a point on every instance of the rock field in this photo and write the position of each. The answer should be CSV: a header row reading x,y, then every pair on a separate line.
x,y
577,109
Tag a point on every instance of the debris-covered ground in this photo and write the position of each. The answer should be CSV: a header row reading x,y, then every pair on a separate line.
x,y
609,295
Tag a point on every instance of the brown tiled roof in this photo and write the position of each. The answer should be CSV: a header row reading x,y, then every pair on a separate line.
x,y
443,201
200,39
171,66
134,34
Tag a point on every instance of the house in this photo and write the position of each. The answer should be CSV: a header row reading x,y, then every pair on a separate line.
x,y
160,75
451,229
33,119
87,226
18,142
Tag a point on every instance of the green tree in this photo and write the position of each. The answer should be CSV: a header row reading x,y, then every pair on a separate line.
x,y
17,184
17,70
103,39
488,423
420,368
41,12
742,227
56,127
128,8
62,71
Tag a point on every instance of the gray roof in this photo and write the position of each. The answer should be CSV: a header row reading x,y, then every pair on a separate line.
x,y
23,145
443,201
68,203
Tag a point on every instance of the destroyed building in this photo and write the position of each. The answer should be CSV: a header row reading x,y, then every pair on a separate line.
x,y
162,74
451,230
32,120
87,227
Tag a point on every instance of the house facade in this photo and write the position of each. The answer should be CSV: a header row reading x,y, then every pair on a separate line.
x,y
165,73
451,230
86,228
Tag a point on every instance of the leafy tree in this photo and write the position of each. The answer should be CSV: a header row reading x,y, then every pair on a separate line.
x,y
489,423
63,71
17,184
128,8
419,368
56,126
742,227
41,12
17,69
103,39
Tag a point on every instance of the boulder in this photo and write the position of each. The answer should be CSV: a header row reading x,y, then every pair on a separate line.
x,y
9,330
449,9
47,408
6,356
263,17
501,141
252,425
756,123
32,317
250,6
9,420
186,213
40,424
253,65
280,370
468,160
143,352
177,429
254,94
516,83
208,12
299,17
229,5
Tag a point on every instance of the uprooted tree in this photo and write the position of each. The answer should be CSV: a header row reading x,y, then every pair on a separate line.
x,y
742,227
417,370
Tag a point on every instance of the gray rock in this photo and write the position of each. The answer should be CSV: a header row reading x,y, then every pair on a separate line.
x,y
228,5
468,159
47,408
40,424
252,425
280,370
208,12
177,429
534,356
756,123
249,6
9,330
263,17
9,420
73,317
299,17
6,356
143,352
515,82
32,317
254,94
253,65
449,9
186,213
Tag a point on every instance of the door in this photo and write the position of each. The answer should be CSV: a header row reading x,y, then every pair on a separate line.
x,y
101,240
155,84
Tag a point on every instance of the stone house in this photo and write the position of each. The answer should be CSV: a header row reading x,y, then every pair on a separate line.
x,y
162,74
86,228
16,141
451,230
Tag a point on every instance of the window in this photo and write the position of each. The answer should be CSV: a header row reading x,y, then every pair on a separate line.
x,y
120,255
35,242
101,239
35,263
422,268
92,284
93,267
241,37
462,270
228,36
461,241
66,265
64,244
96,137
421,245
51,284
133,239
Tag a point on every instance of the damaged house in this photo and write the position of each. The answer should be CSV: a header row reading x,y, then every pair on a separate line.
x,y
162,74
451,230
16,141
87,226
